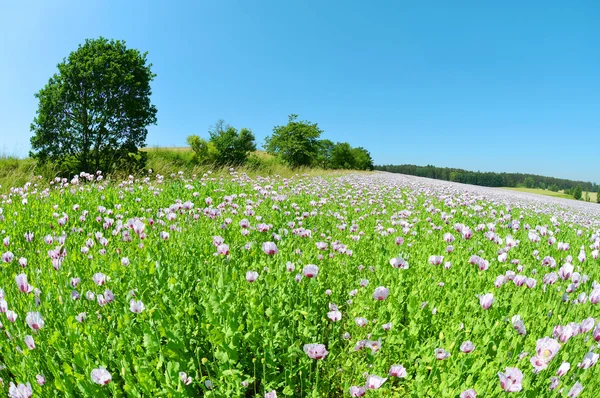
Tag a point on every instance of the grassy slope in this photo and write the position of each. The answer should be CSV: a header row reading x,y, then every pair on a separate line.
x,y
593,195
16,172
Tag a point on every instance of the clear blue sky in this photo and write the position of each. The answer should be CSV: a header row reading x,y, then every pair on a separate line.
x,y
482,85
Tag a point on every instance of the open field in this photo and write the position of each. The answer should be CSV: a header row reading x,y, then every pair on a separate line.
x,y
544,192
560,194
229,285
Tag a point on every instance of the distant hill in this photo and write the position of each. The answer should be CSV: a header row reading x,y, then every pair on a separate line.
x,y
490,179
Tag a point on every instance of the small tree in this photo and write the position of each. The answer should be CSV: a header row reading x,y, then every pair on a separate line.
x,y
587,195
598,196
577,192
232,146
226,146
295,143
93,113
204,152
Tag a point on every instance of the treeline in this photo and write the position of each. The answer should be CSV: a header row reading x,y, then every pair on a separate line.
x,y
491,179
94,112
297,144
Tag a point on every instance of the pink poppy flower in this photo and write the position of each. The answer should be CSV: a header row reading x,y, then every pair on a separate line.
x,y
566,271
22,284
271,394
335,315
441,354
397,371
575,390
467,347
8,257
315,351
436,260
374,382
100,376
486,300
251,276
99,278
289,267
381,293
547,348
20,390
29,342
596,333
590,359
563,369
270,248
357,391
360,321
223,249
34,320
511,380
470,393
41,380
136,306
310,271
185,379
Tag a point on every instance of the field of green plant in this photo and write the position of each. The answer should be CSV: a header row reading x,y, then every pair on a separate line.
x,y
231,286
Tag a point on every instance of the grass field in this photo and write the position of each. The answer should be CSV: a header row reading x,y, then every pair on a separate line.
x,y
230,285
593,195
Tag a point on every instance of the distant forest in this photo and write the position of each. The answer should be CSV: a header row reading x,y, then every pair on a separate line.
x,y
489,179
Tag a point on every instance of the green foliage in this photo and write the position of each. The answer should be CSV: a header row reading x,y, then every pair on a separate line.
x,y
529,182
226,146
205,152
296,143
587,196
94,112
362,159
324,152
232,146
554,188
577,192
342,156
598,196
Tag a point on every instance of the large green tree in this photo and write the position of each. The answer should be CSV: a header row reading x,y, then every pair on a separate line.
x,y
93,113
296,143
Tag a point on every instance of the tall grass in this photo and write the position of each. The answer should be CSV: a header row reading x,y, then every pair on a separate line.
x,y
16,172
165,161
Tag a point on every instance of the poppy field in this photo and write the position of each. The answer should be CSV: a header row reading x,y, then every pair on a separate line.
x,y
227,285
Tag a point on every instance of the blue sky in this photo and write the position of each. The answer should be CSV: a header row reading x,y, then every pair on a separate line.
x,y
482,85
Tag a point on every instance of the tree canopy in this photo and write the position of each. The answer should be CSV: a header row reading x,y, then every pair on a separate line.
x,y
226,146
296,143
93,113
487,179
